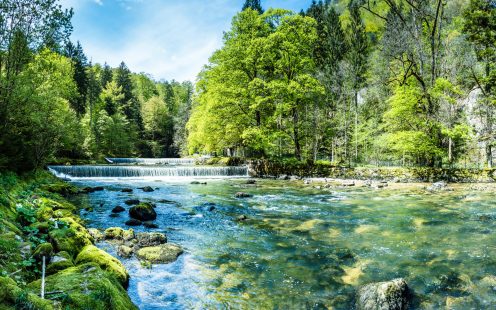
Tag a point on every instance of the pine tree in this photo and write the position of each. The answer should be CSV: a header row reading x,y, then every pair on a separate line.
x,y
254,5
129,105
80,62
106,75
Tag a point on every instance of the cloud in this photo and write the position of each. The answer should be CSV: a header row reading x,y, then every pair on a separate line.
x,y
99,2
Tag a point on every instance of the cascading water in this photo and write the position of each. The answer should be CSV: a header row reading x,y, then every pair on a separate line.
x,y
145,171
152,161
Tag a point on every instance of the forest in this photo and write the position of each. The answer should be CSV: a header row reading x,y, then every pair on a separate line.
x,y
405,83
351,82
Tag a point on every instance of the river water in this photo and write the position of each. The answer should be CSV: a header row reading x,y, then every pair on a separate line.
x,y
303,247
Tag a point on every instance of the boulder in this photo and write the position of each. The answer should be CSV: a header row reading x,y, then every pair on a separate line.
x,y
131,202
133,222
70,236
118,209
242,218
390,295
348,183
150,239
438,186
92,254
251,181
124,251
13,297
242,195
164,253
114,215
127,190
59,261
143,212
147,189
114,233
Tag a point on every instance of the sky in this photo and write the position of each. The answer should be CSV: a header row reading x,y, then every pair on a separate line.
x,y
169,39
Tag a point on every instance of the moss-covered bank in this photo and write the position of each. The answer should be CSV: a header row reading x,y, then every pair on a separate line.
x,y
266,168
36,220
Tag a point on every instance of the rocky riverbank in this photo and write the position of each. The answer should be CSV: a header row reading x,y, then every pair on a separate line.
x,y
286,170
36,222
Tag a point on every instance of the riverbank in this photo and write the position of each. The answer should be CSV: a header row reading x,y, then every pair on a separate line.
x,y
36,221
286,170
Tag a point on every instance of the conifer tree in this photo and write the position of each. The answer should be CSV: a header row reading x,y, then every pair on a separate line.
x,y
79,62
254,5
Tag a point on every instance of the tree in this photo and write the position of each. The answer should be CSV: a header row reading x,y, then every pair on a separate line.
x,y
254,5
128,104
480,27
106,75
80,63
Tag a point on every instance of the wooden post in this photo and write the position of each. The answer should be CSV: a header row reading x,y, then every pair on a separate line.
x,y
43,279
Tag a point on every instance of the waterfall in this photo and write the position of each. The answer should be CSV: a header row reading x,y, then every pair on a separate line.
x,y
152,161
110,171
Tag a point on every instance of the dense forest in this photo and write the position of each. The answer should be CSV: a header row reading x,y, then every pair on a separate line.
x,y
55,104
386,82
354,82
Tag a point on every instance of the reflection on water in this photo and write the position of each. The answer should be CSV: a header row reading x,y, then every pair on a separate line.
x,y
308,248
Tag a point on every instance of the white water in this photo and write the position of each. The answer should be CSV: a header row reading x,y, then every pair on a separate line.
x,y
146,171
152,161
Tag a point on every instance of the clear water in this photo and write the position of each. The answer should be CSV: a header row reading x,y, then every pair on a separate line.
x,y
153,161
307,248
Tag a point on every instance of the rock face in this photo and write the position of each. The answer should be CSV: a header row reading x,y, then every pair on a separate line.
x,y
151,239
143,212
164,253
391,295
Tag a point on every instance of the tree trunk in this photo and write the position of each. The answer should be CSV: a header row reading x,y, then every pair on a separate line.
x,y
489,155
296,134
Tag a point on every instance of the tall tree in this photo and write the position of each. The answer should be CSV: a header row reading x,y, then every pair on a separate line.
x,y
254,5
80,63
129,104
106,75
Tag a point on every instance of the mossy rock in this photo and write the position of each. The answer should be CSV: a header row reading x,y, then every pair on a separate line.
x,y
60,188
161,254
59,261
96,234
42,227
143,212
55,205
13,297
72,238
106,261
86,286
44,249
114,233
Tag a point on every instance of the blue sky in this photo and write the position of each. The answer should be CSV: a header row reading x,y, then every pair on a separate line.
x,y
169,39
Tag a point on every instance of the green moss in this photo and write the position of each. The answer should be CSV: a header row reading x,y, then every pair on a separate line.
x,y
44,249
86,286
114,233
164,253
71,238
106,261
60,188
60,261
13,297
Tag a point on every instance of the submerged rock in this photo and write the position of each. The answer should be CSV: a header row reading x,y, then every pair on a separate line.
x,y
118,209
164,253
92,254
147,189
127,190
96,234
143,212
124,251
391,295
150,224
251,182
242,195
241,218
150,239
438,186
131,202
133,222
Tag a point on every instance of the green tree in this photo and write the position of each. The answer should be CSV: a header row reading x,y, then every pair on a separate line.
x,y
80,63
254,5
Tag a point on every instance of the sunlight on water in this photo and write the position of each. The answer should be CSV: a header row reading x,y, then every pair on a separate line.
x,y
306,248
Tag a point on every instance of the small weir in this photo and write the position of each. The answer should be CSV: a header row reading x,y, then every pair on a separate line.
x,y
152,161
110,171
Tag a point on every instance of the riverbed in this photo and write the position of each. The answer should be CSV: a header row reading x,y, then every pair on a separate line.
x,y
305,247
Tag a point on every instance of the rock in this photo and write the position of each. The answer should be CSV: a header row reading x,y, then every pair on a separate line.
x,y
92,254
84,285
169,202
391,295
42,227
59,261
307,181
124,251
127,190
283,177
242,195
114,215
143,212
164,253
198,183
88,209
133,222
131,202
13,297
147,189
44,249
438,186
128,235
114,233
241,218
251,182
98,188
348,183
118,209
70,236
150,239
150,225
96,234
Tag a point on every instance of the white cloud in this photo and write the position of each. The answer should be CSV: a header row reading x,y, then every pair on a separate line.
x,y
99,2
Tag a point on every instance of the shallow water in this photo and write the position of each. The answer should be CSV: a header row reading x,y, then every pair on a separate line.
x,y
307,248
